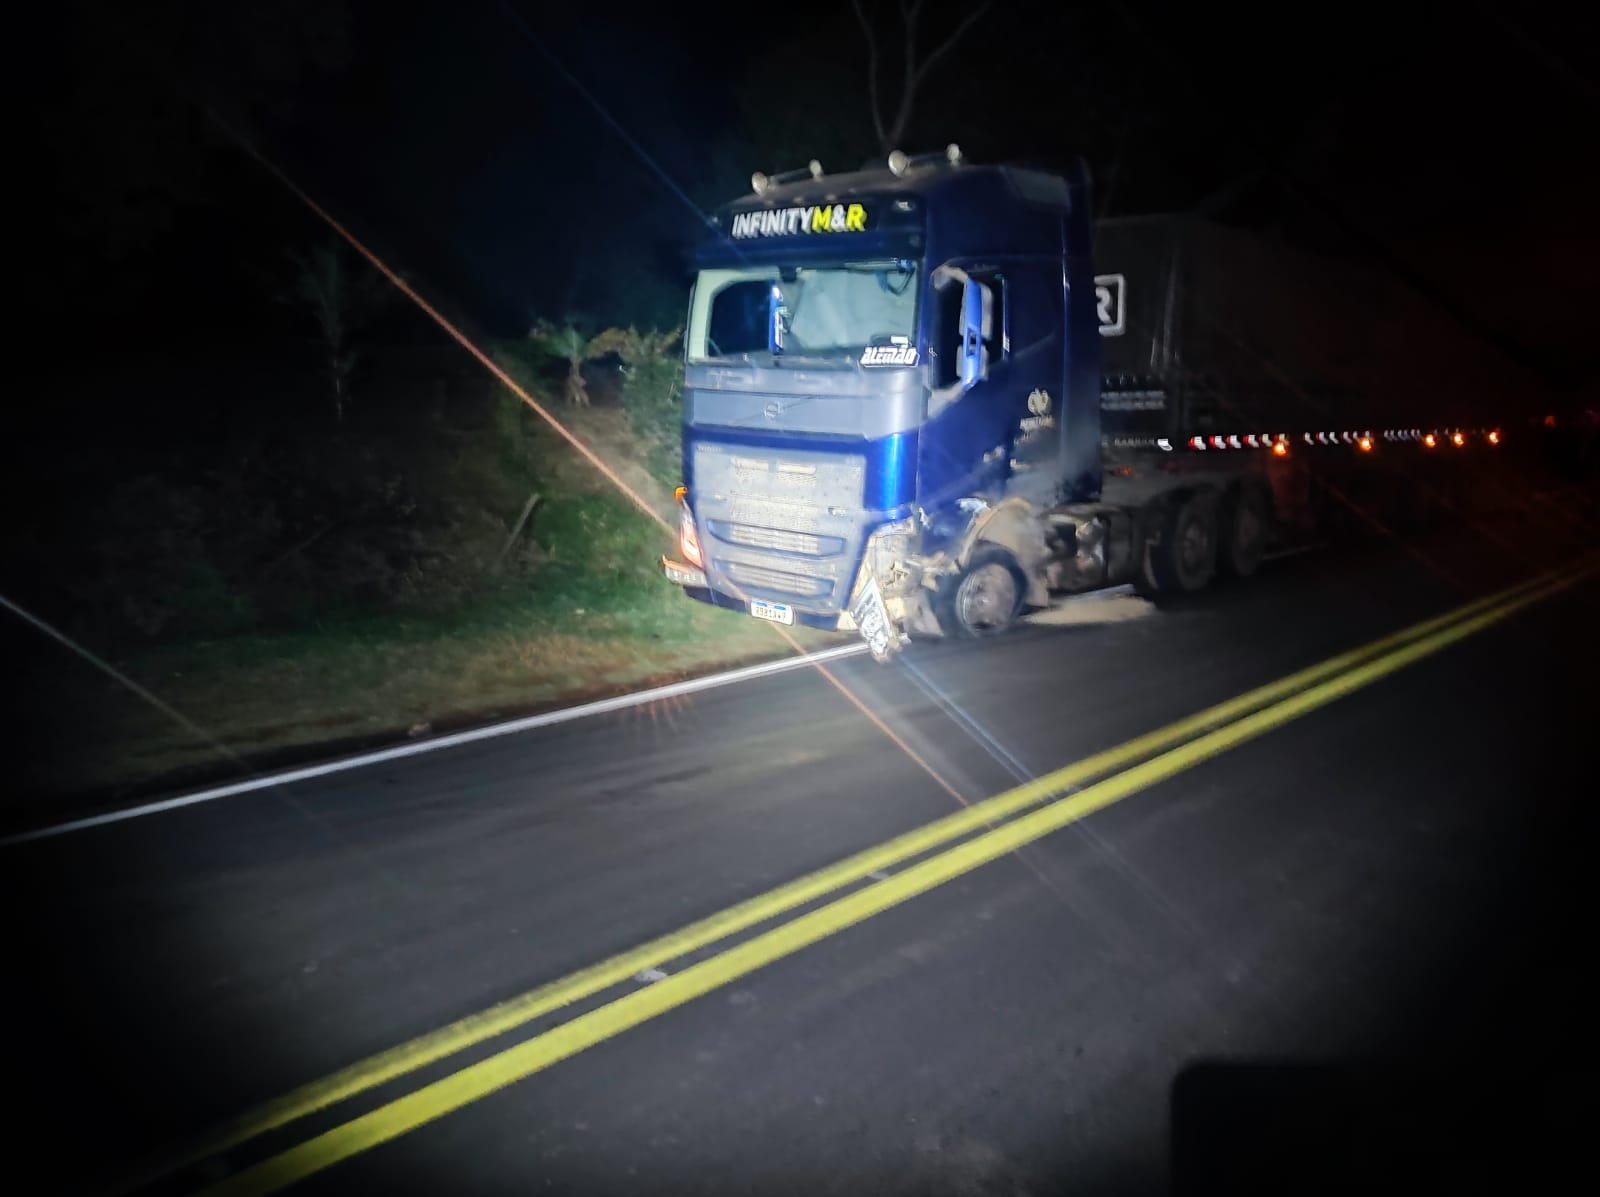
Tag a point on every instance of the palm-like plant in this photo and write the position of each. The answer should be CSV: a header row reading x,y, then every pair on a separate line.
x,y
565,343
341,300
649,367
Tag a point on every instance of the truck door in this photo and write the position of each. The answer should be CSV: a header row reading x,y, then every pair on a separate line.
x,y
995,349
964,445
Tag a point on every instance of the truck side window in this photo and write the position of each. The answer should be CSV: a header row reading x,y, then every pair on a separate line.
x,y
738,322
947,360
947,364
998,344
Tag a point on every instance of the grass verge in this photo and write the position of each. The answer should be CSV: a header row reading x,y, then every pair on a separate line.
x,y
272,699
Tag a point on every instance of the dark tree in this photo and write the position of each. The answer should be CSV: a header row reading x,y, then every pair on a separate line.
x,y
341,299
912,70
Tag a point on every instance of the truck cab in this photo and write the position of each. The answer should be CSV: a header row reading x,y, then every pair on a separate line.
x,y
883,370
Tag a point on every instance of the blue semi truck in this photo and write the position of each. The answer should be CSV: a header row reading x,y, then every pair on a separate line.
x,y
923,398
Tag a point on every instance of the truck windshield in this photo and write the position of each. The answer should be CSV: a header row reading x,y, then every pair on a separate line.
x,y
832,312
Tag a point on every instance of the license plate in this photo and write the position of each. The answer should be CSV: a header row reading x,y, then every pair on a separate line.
x,y
773,612
872,619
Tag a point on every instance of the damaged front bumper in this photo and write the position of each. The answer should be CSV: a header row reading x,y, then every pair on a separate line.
x,y
690,576
892,597
890,601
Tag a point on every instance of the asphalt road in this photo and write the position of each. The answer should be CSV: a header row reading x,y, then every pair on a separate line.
x,y
1348,950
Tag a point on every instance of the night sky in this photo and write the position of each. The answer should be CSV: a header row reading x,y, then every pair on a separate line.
x,y
1456,142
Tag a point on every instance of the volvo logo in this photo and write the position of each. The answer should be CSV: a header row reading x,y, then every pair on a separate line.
x,y
774,410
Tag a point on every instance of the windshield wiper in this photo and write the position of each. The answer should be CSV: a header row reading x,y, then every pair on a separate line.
x,y
728,359
824,353
811,359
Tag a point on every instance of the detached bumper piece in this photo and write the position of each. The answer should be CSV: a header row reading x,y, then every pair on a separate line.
x,y
684,575
871,620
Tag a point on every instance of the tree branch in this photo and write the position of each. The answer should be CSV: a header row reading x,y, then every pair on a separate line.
x,y
872,70
913,73
945,46
908,84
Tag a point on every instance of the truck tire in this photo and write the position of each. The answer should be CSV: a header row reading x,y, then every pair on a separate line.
x,y
984,599
1186,559
1244,532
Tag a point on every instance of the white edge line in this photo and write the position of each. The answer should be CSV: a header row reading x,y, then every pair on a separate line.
x,y
491,731
400,751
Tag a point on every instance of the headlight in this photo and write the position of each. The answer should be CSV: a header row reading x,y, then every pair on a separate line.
x,y
688,538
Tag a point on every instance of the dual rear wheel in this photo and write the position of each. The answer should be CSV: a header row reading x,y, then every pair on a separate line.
x,y
1205,533
1202,534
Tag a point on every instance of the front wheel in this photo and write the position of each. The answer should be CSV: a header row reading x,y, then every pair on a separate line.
x,y
982,600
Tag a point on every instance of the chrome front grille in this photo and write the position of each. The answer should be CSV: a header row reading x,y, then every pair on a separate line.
x,y
775,538
748,574
781,540
782,525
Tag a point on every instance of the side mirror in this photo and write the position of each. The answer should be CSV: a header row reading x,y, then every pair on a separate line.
x,y
777,320
977,326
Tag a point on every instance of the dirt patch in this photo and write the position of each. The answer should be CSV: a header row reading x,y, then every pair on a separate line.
x,y
1091,609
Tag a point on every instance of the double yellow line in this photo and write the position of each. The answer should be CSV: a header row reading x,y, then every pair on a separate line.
x,y
1034,809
